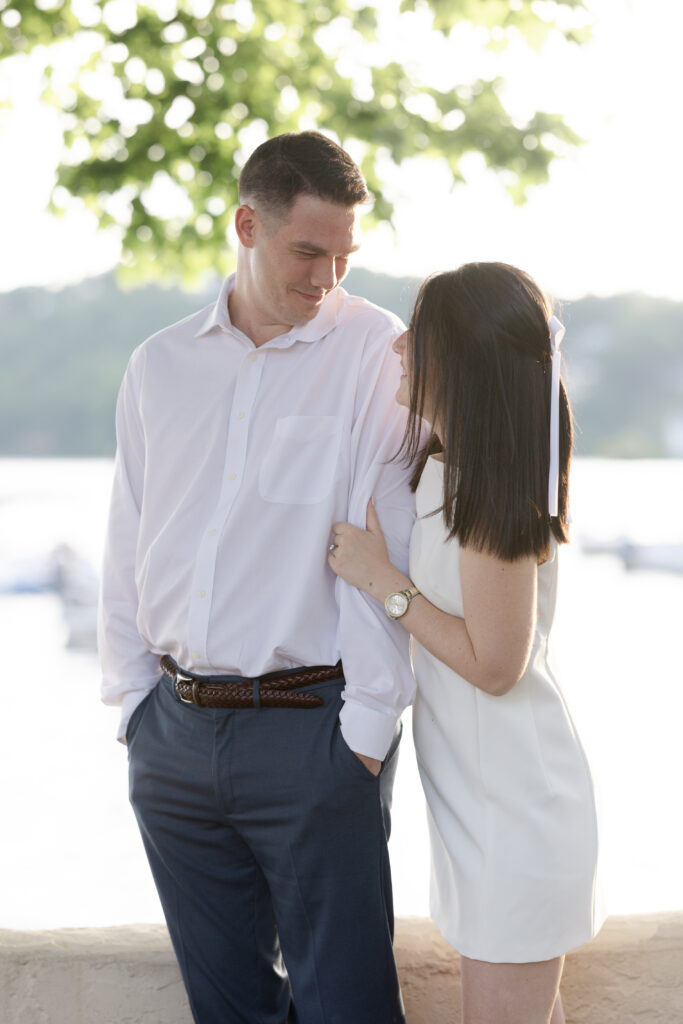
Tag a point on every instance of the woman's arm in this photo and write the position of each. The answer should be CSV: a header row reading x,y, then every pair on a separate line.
x,y
490,646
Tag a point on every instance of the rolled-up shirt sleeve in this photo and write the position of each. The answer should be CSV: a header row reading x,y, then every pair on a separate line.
x,y
129,669
375,649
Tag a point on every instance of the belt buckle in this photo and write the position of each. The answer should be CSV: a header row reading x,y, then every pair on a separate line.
x,y
179,677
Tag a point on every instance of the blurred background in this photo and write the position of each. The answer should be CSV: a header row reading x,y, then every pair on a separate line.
x,y
545,134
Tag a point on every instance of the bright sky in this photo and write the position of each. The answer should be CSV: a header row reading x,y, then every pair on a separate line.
x,y
610,220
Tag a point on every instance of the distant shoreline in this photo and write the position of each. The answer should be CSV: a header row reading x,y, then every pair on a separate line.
x,y
63,355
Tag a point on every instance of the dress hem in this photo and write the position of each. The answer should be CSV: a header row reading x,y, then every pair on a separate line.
x,y
532,957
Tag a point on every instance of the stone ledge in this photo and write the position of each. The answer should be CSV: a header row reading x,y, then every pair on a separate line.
x,y
632,973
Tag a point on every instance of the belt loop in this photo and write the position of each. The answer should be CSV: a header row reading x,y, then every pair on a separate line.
x,y
256,693
195,693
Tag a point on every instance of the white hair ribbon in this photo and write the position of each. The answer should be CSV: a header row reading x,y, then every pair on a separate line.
x,y
557,332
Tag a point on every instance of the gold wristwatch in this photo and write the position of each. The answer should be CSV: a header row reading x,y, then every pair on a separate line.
x,y
396,604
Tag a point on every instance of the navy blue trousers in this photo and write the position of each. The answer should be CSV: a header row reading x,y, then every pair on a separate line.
x,y
267,839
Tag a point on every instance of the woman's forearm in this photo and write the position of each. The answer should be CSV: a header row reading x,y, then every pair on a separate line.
x,y
489,645
492,657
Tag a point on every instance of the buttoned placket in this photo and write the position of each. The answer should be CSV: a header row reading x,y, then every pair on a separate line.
x,y
241,411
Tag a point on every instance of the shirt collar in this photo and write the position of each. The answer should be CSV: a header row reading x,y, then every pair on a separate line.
x,y
218,315
321,324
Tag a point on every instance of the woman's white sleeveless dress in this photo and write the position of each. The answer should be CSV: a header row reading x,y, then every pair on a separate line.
x,y
510,800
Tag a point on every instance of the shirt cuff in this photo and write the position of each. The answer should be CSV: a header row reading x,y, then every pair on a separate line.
x,y
367,731
128,705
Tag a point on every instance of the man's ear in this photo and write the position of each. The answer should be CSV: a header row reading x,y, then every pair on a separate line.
x,y
246,225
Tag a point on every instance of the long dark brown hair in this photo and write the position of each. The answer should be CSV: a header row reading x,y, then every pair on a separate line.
x,y
480,365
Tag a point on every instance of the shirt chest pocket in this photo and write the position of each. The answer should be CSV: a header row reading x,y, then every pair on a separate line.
x,y
301,463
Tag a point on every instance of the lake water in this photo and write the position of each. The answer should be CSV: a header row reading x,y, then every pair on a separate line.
x,y
70,853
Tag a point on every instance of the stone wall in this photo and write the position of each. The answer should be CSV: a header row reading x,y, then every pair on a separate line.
x,y
632,973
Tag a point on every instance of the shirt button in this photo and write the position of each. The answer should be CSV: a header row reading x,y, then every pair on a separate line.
x,y
202,593
253,357
233,476
212,533
195,655
240,415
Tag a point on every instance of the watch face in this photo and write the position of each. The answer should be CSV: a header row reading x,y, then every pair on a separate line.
x,y
396,605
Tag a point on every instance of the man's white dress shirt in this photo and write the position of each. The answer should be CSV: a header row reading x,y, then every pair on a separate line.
x,y
232,464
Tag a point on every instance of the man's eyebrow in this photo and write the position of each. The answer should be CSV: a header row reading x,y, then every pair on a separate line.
x,y
318,251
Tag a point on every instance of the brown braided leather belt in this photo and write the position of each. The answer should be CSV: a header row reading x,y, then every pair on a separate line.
x,y
274,690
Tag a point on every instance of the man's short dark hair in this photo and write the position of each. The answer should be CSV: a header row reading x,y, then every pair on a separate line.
x,y
300,163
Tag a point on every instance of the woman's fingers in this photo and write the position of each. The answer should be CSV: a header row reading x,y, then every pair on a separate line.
x,y
344,531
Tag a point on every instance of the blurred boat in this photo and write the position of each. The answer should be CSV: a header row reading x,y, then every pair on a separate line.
x,y
28,575
77,586
660,557
654,557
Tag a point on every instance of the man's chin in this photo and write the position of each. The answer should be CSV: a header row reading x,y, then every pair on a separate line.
x,y
300,316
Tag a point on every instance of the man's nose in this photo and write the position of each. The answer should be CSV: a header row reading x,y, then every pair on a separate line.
x,y
324,273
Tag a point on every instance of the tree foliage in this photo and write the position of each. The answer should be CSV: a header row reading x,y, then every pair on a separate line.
x,y
169,96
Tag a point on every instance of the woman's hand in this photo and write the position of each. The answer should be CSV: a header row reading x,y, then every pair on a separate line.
x,y
361,558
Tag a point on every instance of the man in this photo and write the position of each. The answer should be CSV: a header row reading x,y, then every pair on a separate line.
x,y
244,432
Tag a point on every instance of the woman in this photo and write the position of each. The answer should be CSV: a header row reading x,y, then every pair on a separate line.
x,y
509,794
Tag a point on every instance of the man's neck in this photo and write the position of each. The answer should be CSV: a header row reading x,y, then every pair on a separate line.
x,y
244,316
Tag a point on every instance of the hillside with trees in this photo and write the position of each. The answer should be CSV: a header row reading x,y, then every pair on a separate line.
x,y
63,354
